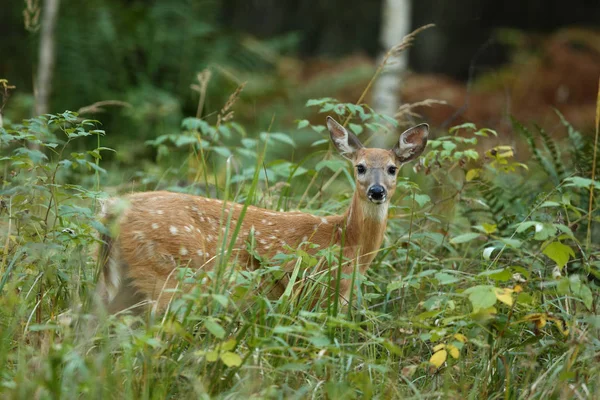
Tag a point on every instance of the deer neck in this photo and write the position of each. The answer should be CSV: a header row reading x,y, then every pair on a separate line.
x,y
365,227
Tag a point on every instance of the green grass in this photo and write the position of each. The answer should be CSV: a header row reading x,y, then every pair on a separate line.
x,y
484,287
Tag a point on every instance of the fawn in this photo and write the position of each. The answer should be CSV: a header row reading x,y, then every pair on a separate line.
x,y
160,231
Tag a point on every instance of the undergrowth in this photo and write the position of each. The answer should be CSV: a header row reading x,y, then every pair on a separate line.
x,y
485,287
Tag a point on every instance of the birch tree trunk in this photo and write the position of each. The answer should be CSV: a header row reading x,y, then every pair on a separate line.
x,y
396,24
43,84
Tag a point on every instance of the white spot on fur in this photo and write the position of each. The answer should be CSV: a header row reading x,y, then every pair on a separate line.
x,y
209,238
201,219
183,251
173,230
155,226
377,212
324,220
305,238
264,221
199,252
160,212
262,241
188,228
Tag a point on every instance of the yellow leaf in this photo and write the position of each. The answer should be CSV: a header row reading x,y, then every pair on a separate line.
x,y
539,319
504,295
439,358
453,351
460,337
212,356
439,347
500,152
472,174
489,228
518,288
560,325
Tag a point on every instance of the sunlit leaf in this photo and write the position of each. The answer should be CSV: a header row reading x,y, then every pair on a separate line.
x,y
439,347
453,351
504,295
460,337
472,174
559,253
438,358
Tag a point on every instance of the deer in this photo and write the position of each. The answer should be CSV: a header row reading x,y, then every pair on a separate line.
x,y
157,232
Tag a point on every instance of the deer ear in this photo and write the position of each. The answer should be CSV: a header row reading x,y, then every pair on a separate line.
x,y
411,144
346,143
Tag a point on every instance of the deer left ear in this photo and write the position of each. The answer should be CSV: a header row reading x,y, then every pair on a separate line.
x,y
346,143
411,144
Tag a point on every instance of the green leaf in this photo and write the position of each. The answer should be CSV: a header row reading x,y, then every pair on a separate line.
x,y
580,182
318,102
303,123
445,278
357,129
333,164
585,294
184,140
464,238
222,151
231,359
280,137
559,253
482,296
466,125
213,327
422,199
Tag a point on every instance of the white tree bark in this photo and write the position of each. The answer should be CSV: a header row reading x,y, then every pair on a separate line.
x,y
43,84
396,24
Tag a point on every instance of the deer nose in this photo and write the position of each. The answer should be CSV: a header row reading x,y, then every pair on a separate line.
x,y
376,193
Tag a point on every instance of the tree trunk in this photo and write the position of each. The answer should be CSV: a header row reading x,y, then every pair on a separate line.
x,y
43,84
396,24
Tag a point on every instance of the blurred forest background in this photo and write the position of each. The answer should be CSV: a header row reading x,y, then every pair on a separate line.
x,y
130,64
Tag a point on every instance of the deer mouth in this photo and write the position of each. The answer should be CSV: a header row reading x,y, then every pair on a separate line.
x,y
377,199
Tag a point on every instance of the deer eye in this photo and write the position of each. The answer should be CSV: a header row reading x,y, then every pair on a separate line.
x,y
392,170
361,169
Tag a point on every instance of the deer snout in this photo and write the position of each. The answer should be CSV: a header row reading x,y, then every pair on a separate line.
x,y
377,194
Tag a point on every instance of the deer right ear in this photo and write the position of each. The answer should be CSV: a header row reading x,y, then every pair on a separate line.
x,y
411,143
346,143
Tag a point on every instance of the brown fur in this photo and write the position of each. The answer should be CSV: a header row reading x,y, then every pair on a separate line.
x,y
160,231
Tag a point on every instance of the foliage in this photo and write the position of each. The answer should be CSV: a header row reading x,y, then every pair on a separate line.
x,y
484,285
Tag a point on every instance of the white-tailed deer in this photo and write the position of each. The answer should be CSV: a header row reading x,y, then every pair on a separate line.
x,y
160,231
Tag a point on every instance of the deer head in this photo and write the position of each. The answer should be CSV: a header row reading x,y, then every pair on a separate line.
x,y
376,170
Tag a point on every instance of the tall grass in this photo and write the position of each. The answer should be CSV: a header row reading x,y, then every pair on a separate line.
x,y
461,301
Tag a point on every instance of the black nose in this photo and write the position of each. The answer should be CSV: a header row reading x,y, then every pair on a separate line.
x,y
376,192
